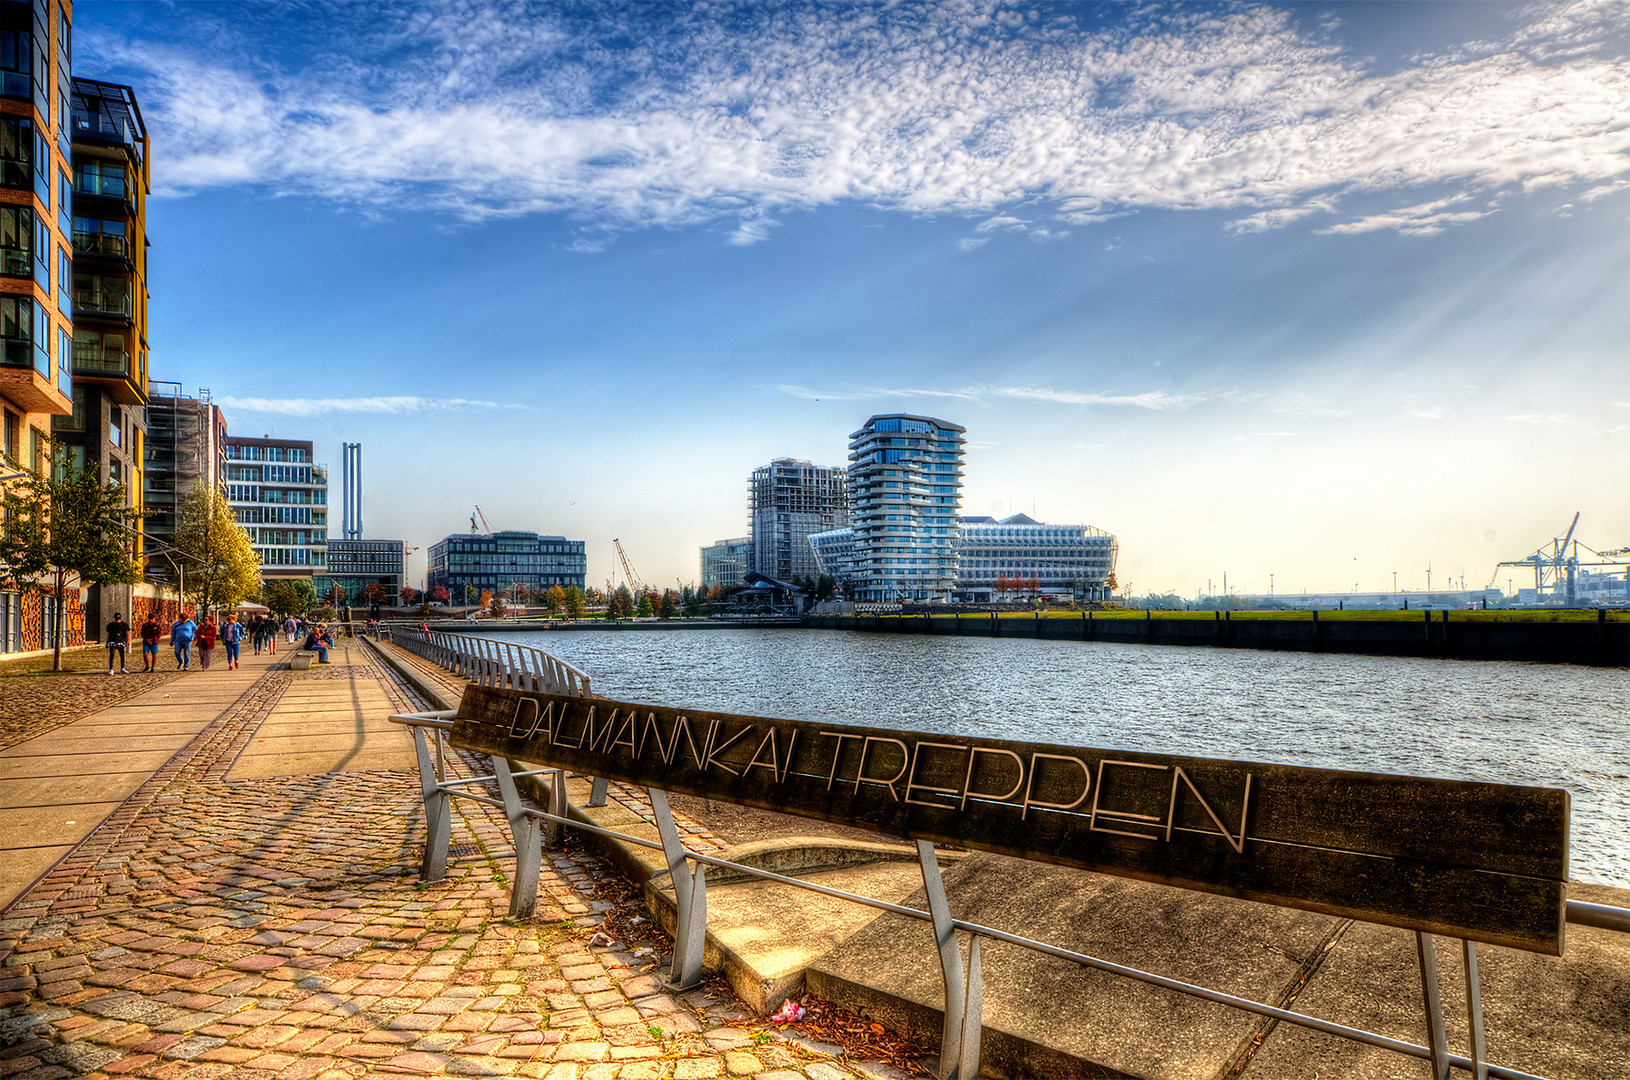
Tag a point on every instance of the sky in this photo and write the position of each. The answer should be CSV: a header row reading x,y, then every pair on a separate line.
x,y
1311,294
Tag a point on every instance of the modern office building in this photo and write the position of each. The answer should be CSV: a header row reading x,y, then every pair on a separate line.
x,y
468,564
351,491
185,446
280,495
787,500
1020,555
726,562
905,488
354,565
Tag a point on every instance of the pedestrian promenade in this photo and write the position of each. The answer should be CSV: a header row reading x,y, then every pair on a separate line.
x,y
237,895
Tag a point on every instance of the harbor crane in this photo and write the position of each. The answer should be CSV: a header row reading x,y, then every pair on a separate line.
x,y
1557,564
634,584
486,526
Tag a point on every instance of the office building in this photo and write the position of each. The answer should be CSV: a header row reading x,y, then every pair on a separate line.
x,y
905,489
788,500
467,564
354,565
36,276
351,491
726,562
280,495
1019,556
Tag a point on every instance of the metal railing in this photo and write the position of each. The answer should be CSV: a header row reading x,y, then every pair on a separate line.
x,y
519,667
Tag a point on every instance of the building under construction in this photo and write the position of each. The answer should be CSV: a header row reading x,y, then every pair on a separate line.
x,y
185,446
787,502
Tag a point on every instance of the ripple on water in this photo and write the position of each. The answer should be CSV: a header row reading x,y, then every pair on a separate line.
x,y
1546,724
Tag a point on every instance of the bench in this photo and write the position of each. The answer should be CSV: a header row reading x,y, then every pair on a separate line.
x,y
302,659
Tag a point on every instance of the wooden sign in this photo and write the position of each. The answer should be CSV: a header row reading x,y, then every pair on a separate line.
x,y
1476,860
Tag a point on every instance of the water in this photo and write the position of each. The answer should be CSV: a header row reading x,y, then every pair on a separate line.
x,y
1545,724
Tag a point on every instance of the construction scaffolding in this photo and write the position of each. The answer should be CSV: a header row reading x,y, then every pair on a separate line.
x,y
787,501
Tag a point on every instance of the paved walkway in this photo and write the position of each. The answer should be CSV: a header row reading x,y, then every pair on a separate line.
x,y
249,905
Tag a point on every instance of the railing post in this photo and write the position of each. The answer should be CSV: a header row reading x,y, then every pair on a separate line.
x,y
690,895
964,993
523,891
554,833
1474,1012
599,788
438,812
1437,1040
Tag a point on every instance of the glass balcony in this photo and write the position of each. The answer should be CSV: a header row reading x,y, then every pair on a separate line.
x,y
101,358
101,301
97,243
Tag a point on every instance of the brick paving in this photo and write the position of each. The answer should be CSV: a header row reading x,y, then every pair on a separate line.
x,y
34,700
277,928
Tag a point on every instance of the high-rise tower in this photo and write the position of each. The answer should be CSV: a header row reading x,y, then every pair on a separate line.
x,y
905,492
351,478
788,500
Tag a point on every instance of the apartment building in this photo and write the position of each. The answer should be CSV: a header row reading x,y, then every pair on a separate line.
x,y
787,501
905,489
279,494
726,562
36,276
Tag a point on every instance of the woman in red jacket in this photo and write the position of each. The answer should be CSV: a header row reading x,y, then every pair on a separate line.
x,y
206,641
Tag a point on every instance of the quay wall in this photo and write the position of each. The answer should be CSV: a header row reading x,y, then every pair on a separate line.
x,y
1598,642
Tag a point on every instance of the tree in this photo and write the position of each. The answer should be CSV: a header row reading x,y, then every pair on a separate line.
x,y
692,602
375,594
1003,583
555,598
336,596
1110,584
215,562
495,605
671,601
486,597
620,604
285,597
410,595
826,587
440,594
574,601
645,609
64,526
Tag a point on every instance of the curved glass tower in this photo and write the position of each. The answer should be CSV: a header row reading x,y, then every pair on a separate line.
x,y
905,493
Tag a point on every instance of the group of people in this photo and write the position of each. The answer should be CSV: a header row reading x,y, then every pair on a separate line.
x,y
262,632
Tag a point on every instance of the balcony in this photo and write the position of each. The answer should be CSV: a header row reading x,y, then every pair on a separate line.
x,y
22,381
109,367
102,245
102,302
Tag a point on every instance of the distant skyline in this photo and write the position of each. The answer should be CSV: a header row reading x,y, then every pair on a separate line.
x,y
1322,291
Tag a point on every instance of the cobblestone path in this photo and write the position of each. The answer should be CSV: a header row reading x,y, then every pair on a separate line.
x,y
34,701
278,928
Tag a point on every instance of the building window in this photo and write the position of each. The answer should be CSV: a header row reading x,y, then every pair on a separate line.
x,y
105,293
65,277
16,61
23,340
99,178
16,233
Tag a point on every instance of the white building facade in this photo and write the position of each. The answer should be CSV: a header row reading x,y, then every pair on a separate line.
x,y
905,489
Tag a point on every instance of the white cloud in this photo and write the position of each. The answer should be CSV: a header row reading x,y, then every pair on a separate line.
x,y
1539,418
1424,219
1435,412
1153,399
867,393
318,406
490,110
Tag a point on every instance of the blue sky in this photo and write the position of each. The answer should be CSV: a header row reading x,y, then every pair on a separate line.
x,y
1322,291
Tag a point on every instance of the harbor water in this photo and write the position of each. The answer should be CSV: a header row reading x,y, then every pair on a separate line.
x,y
1555,725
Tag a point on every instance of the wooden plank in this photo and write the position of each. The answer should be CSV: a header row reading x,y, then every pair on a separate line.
x,y
1464,858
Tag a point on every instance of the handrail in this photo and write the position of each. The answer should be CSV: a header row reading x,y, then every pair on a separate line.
x,y
503,664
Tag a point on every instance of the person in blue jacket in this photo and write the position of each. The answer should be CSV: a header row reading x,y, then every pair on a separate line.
x,y
232,638
181,635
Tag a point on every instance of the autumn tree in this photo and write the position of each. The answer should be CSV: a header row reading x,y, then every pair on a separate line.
x,y
440,594
214,561
555,598
64,527
375,594
409,595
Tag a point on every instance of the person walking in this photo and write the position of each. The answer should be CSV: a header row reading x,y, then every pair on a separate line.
x,y
232,638
150,631
181,635
118,640
207,634
290,627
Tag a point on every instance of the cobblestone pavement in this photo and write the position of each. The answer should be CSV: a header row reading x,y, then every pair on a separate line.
x,y
278,928
34,701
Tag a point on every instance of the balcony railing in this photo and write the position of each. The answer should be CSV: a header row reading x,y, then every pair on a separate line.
x,y
102,303
101,358
97,243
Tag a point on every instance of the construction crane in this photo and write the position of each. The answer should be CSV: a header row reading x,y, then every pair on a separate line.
x,y
486,526
1558,566
634,584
